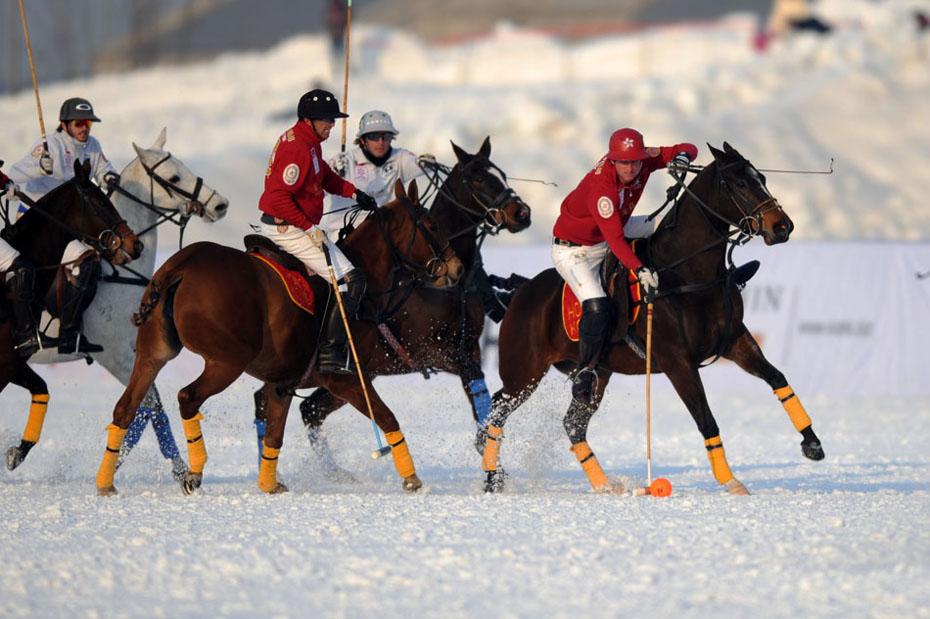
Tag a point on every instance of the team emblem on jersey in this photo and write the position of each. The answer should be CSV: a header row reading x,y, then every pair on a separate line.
x,y
361,172
605,207
653,151
37,151
316,162
291,172
389,168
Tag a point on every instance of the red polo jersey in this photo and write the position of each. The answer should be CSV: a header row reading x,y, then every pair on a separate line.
x,y
598,208
296,177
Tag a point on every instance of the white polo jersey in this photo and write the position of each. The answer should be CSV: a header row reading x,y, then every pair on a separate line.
x,y
64,151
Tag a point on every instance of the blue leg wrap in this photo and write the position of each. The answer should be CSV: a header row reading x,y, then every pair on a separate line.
x,y
481,399
137,427
166,442
260,434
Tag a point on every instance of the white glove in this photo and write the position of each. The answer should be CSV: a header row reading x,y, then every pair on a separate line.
x,y
680,163
340,163
45,163
648,279
11,189
426,159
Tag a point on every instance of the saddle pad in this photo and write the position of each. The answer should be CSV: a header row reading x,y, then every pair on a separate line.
x,y
571,307
298,288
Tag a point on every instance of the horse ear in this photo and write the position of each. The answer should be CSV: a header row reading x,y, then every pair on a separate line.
x,y
413,193
716,152
460,154
138,149
729,149
160,140
399,189
485,150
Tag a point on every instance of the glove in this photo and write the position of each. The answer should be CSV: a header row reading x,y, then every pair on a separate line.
x,y
11,189
364,201
426,159
45,163
111,180
340,164
680,163
648,279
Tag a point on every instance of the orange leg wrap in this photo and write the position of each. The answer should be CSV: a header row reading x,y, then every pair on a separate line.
x,y
36,418
108,466
402,460
591,466
492,448
718,460
267,475
793,407
196,448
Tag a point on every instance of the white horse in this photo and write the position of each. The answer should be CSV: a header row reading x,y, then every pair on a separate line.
x,y
154,188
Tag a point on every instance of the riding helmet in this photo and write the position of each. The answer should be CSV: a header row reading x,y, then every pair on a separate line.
x,y
627,145
319,103
375,121
77,108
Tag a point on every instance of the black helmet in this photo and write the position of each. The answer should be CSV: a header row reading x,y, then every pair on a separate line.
x,y
319,103
76,108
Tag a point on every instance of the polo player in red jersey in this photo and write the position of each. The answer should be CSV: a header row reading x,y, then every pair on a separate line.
x,y
591,223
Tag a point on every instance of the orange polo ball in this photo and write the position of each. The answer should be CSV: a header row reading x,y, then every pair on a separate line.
x,y
660,487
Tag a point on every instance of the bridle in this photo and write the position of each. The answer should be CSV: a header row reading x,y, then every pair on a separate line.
x,y
435,267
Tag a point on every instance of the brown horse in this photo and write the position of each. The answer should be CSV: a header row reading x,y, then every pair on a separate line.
x,y
698,316
76,209
233,310
439,330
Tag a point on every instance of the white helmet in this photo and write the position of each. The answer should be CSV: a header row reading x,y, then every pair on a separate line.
x,y
375,121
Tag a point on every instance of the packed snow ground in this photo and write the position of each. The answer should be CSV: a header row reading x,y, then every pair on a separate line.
x,y
844,537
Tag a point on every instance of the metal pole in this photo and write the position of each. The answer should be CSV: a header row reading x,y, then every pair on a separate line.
x,y
35,83
648,392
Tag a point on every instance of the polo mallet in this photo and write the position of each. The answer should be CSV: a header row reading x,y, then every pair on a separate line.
x,y
383,449
345,86
660,487
35,83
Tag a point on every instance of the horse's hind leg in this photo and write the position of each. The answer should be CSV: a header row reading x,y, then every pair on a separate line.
x,y
576,426
502,405
151,409
277,402
24,376
216,376
313,411
745,352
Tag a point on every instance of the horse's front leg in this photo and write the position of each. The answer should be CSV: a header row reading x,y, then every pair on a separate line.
x,y
745,352
576,426
687,383
25,377
277,403
476,390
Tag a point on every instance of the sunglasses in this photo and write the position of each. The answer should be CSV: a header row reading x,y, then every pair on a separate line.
x,y
377,137
79,124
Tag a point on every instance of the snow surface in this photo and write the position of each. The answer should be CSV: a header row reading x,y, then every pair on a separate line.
x,y
844,537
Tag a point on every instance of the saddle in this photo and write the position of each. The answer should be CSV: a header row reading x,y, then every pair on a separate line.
x,y
293,273
624,292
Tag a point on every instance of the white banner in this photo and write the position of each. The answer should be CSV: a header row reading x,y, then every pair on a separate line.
x,y
837,318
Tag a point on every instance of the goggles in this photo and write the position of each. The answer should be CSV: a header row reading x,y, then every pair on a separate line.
x,y
81,123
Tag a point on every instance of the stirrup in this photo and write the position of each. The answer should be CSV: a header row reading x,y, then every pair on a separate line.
x,y
77,345
335,361
583,385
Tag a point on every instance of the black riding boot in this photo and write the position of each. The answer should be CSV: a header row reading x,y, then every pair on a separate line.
x,y
334,356
22,275
75,299
592,328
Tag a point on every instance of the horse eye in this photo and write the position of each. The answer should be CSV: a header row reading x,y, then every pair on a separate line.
x,y
741,184
174,178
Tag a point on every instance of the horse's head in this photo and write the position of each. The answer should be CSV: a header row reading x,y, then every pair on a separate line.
x,y
175,187
756,211
488,201
415,239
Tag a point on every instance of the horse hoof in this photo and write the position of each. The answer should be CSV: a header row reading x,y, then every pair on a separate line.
x,y
412,483
735,486
279,489
495,481
481,440
179,470
14,457
108,491
191,482
813,450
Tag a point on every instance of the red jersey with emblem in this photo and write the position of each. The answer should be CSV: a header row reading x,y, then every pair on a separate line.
x,y
297,176
598,208
4,179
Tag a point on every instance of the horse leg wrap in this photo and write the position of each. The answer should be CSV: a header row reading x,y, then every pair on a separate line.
x,y
793,407
166,442
267,475
36,418
590,466
196,449
108,466
481,400
402,460
492,448
260,427
718,460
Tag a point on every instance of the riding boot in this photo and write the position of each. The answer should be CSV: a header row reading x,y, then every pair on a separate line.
x,y
20,293
592,329
75,299
334,356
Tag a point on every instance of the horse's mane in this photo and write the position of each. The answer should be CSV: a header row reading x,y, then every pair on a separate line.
x,y
33,219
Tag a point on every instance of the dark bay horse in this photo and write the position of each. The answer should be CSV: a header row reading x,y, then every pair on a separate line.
x,y
76,209
698,315
233,310
437,329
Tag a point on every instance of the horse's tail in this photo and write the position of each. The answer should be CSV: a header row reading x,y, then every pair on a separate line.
x,y
158,289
